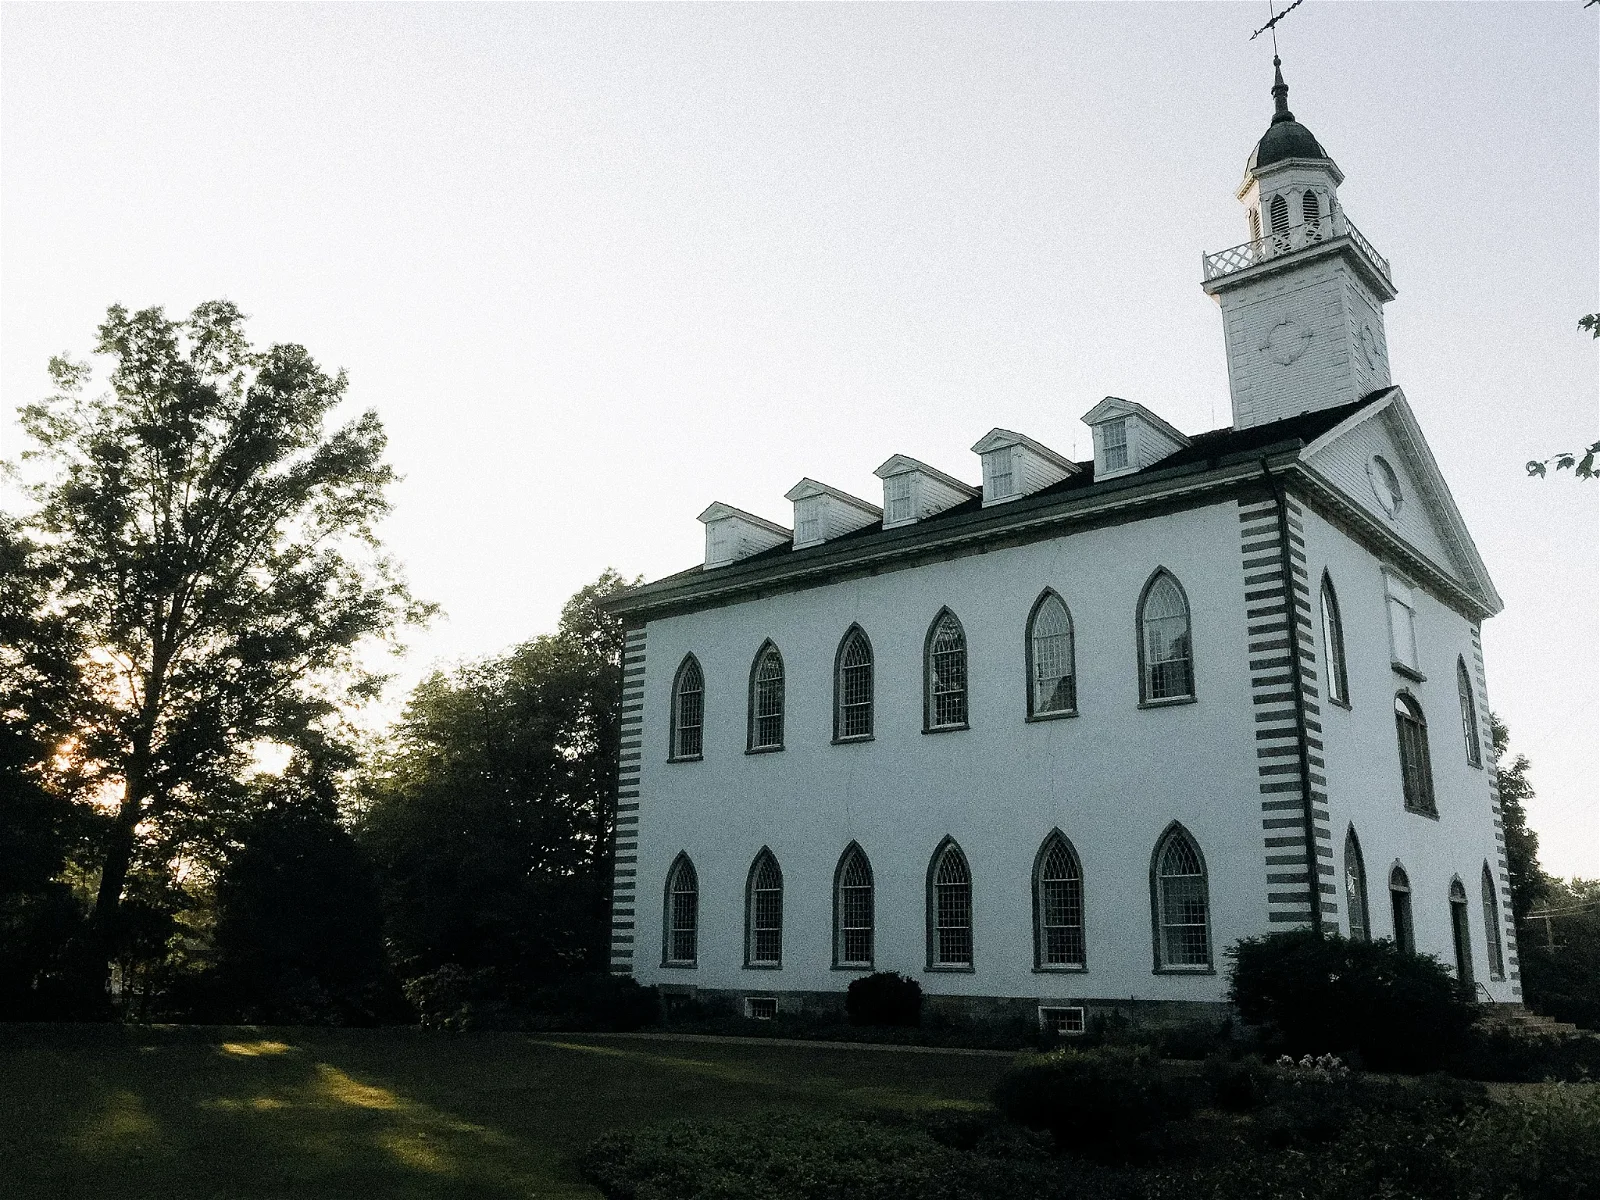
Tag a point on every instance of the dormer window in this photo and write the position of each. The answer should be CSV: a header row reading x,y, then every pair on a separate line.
x,y
997,475
1128,437
732,534
913,491
1116,444
897,500
1016,466
808,520
822,513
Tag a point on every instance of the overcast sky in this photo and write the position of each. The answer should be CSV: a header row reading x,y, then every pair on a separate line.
x,y
598,266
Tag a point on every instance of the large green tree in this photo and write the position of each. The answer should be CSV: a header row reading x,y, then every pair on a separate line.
x,y
209,546
491,814
1528,882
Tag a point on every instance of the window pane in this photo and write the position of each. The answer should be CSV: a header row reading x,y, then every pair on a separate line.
x,y
1053,680
768,702
1060,909
1333,646
1114,444
953,911
683,903
897,489
1491,925
855,689
947,675
1167,655
1469,714
1355,887
690,710
1182,900
1402,634
766,912
855,911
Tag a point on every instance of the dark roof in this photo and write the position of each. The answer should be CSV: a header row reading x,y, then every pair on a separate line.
x,y
1205,450
1285,137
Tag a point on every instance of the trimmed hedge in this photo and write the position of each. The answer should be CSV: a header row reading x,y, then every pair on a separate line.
x,y
1100,1102
1320,993
884,998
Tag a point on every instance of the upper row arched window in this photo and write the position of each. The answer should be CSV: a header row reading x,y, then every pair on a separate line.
x,y
766,700
1052,669
1416,770
852,688
945,675
1166,656
1166,673
1333,645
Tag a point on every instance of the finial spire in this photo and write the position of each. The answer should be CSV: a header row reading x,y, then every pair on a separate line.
x,y
1280,93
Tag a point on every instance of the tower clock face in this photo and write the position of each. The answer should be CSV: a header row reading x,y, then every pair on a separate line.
x,y
1368,342
1286,341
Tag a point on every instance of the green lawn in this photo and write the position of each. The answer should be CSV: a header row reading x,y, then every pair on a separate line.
x,y
173,1113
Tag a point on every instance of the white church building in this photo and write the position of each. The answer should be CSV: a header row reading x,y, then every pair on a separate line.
x,y
1054,742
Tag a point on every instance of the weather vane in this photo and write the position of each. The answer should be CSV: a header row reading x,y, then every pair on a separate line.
x,y
1273,24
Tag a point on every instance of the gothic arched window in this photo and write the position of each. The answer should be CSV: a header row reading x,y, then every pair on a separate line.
x,y
949,908
1416,771
688,711
1400,909
1491,925
852,909
852,687
1278,215
1052,673
1166,658
680,914
1461,932
1470,732
1333,645
1182,905
1355,889
945,674
766,699
763,913
1057,905
1310,210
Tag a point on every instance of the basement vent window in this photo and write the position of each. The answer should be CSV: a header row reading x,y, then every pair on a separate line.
x,y
760,1008
1060,1020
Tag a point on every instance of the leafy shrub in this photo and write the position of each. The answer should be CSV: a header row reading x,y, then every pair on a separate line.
x,y
1099,1101
1319,993
788,1156
884,998
456,999
1236,1084
1515,1056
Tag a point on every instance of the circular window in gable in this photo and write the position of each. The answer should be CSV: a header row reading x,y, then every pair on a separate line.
x,y
1385,484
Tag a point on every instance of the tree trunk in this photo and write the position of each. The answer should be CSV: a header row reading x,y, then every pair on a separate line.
x,y
113,878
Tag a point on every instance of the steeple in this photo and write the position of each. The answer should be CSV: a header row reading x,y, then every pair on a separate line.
x,y
1302,300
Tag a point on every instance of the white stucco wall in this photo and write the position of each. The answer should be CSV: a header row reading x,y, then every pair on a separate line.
x,y
1363,758
1111,779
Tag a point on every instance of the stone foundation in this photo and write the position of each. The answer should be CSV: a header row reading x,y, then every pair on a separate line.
x,y
976,1010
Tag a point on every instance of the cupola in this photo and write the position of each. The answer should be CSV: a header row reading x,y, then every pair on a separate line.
x,y
1015,466
822,512
913,491
1302,300
732,534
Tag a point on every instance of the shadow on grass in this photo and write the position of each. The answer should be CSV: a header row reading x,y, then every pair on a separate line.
x,y
182,1113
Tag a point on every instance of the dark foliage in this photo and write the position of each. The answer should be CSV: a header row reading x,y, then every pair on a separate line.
x,y
1237,1084
783,1156
1519,1056
1325,993
1100,1102
1528,882
298,935
1560,954
453,999
491,818
884,998
1330,1139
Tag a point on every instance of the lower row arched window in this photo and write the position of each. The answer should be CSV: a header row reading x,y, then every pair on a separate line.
x,y
1179,895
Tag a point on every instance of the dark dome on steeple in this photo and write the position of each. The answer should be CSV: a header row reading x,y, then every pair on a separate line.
x,y
1285,137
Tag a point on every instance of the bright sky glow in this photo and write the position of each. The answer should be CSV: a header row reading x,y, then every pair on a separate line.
x,y
598,266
